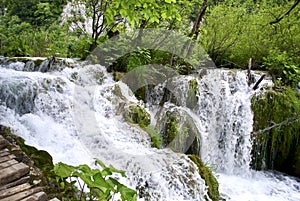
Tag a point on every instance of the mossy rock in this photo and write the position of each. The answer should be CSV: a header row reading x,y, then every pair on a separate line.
x,y
276,128
209,178
192,98
122,94
137,114
179,131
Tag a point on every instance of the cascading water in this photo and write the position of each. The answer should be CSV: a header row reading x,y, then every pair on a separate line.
x,y
224,110
224,119
72,115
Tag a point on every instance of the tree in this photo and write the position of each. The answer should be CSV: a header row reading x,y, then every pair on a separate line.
x,y
109,16
287,13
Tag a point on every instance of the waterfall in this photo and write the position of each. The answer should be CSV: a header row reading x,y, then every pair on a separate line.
x,y
71,113
224,119
74,113
224,110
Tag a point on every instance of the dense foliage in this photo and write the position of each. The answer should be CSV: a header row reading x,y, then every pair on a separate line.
x,y
231,32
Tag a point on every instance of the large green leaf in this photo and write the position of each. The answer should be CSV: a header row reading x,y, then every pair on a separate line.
x,y
63,170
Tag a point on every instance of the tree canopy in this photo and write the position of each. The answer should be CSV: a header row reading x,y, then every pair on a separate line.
x,y
230,31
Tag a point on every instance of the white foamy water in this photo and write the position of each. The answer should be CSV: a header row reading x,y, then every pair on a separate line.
x,y
72,115
224,110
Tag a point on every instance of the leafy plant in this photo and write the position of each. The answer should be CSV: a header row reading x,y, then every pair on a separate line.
x,y
282,67
100,183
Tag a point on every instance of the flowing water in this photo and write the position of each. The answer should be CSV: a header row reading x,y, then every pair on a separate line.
x,y
74,114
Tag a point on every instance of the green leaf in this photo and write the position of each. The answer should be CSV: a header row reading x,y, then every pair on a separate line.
x,y
170,1
63,170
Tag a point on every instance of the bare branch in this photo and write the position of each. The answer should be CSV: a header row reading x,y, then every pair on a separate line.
x,y
286,122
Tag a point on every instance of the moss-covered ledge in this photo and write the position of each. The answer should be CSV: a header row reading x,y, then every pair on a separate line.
x,y
39,161
209,178
276,130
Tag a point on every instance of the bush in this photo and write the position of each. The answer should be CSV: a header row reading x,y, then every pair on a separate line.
x,y
282,67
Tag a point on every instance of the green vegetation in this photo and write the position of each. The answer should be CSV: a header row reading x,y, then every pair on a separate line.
x,y
137,115
236,31
232,32
283,67
100,183
276,130
172,128
209,178
156,139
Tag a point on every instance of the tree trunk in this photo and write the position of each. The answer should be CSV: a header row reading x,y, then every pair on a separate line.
x,y
188,46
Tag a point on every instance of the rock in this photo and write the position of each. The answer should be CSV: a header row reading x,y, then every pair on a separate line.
x,y
41,64
40,196
298,88
118,76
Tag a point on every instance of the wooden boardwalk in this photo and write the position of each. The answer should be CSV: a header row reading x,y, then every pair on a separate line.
x,y
15,178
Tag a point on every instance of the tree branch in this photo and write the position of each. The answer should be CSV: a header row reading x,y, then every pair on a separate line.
x,y
286,14
288,121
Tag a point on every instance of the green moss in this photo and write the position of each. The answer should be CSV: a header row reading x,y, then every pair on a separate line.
x,y
192,99
156,139
179,132
276,130
172,128
41,159
207,175
137,115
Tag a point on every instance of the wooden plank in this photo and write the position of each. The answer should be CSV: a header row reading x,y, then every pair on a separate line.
x,y
15,183
40,196
22,195
4,152
7,164
7,158
13,172
14,190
